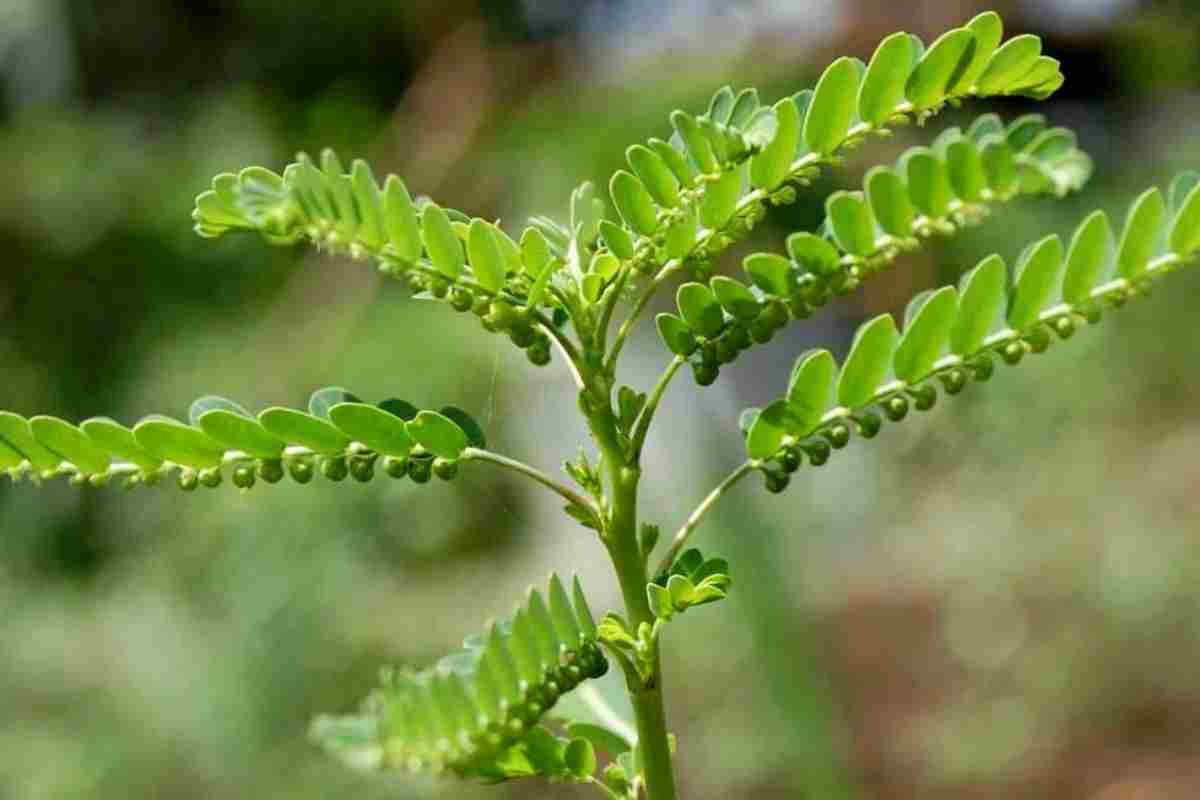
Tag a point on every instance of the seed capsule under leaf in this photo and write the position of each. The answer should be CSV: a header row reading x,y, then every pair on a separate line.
x,y
953,381
818,451
1012,353
869,424
895,407
838,435
924,397
776,480
270,470
539,353
243,476
301,471
188,480
1064,327
789,459
705,374
362,469
395,467
210,477
420,469
335,468
1038,340
445,469
461,299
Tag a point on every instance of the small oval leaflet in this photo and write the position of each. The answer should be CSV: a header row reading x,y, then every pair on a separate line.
x,y
811,387
173,441
438,435
384,433
981,298
633,203
833,107
940,68
296,427
14,429
1089,255
925,336
240,432
1036,276
1142,230
67,441
120,441
675,334
869,361
699,309
883,86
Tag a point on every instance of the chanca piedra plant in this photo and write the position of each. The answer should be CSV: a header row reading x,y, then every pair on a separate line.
x,y
574,291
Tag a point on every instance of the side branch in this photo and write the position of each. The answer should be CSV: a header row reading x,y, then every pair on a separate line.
x,y
701,511
568,494
642,426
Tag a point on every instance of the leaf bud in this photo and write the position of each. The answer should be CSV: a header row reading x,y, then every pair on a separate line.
x,y
210,477
1064,327
362,469
334,468
1012,353
775,480
818,451
445,469
395,467
895,407
953,380
420,469
869,424
188,480
301,470
243,476
705,374
838,435
924,397
270,470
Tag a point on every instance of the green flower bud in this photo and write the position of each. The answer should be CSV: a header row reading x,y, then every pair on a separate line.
x,y
838,435
395,467
188,480
1012,353
210,477
243,476
270,470
461,299
818,451
335,468
420,469
1064,327
705,374
301,470
445,469
789,459
953,381
869,424
895,407
775,480
362,469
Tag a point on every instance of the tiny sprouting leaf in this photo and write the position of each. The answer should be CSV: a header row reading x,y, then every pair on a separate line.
x,y
981,299
699,309
769,430
15,431
851,222
618,240
660,601
940,68
771,166
675,334
770,272
1088,257
633,202
296,427
928,184
989,30
580,759
964,170
483,251
744,106
70,443
587,623
833,107
604,740
890,205
984,127
1010,61
1184,238
1052,144
1181,188
470,426
1036,276
377,429
171,440
735,298
813,254
925,335
720,199
869,361
240,431
441,242
883,86
438,435
811,388
120,441
324,399
368,203
400,220
695,141
655,175
721,104
685,172
999,166
535,251
1143,227
565,623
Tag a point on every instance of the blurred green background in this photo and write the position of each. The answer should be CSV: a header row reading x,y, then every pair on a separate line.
x,y
997,599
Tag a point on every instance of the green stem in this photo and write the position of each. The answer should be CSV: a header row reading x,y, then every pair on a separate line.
x,y
642,426
475,454
698,515
620,536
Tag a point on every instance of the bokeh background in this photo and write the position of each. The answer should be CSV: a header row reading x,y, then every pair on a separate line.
x,y
998,599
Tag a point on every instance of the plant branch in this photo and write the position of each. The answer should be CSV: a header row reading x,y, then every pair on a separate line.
x,y
642,426
698,515
568,494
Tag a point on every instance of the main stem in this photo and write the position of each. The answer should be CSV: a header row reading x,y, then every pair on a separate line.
x,y
621,538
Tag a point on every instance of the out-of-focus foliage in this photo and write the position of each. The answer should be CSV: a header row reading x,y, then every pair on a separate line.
x,y
926,618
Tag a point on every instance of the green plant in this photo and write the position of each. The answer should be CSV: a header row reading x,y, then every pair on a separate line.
x,y
492,710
